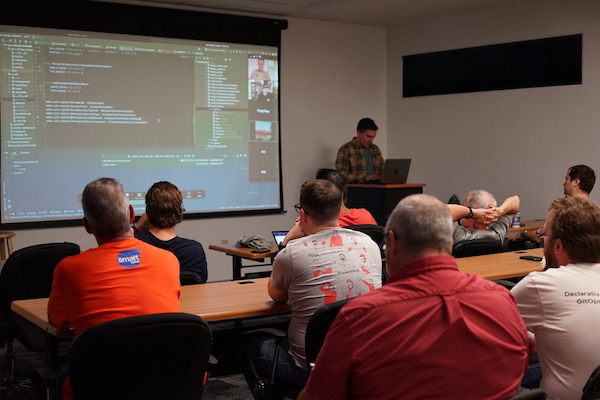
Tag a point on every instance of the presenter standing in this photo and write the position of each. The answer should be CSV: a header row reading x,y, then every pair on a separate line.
x,y
360,160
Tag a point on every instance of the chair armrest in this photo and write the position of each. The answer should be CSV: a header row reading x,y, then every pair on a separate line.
x,y
245,337
43,380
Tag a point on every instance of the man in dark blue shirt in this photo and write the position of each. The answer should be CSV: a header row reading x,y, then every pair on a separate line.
x,y
164,210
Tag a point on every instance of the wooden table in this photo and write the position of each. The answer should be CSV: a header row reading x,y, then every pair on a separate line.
x,y
501,265
530,225
233,300
215,301
239,253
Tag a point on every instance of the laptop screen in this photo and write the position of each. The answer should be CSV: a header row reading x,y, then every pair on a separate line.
x,y
395,170
279,236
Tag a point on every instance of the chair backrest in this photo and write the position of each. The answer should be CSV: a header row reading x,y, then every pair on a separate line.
x,y
476,247
506,283
317,328
157,356
529,394
454,200
187,277
377,233
591,390
27,274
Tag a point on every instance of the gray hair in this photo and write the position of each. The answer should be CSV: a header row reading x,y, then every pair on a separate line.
x,y
422,222
105,208
481,199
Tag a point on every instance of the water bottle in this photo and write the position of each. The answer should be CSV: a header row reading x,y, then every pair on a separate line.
x,y
516,223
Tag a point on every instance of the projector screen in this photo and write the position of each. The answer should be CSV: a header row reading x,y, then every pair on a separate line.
x,y
77,105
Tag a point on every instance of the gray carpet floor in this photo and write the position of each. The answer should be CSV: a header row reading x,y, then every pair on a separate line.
x,y
228,387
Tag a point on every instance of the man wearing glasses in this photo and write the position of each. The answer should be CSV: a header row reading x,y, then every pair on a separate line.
x,y
322,263
562,304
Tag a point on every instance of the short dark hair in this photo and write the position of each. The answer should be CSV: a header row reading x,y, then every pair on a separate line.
x,y
586,176
164,205
322,200
332,176
366,124
105,208
576,222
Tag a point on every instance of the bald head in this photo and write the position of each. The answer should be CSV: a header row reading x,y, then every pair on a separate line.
x,y
420,225
480,199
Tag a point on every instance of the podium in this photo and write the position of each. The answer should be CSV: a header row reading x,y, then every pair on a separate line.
x,y
380,198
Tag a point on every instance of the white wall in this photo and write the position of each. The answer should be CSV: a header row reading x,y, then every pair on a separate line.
x,y
509,142
331,76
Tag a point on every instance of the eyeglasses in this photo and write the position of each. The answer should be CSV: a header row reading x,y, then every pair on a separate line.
x,y
540,233
297,207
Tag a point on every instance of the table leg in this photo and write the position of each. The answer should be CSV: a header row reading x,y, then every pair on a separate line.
x,y
237,267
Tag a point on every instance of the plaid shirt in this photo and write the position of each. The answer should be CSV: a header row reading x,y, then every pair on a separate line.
x,y
351,162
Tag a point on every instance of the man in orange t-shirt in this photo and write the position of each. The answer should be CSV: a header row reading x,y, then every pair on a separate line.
x,y
122,277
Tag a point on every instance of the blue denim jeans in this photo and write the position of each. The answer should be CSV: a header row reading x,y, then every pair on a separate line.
x,y
61,375
262,351
532,378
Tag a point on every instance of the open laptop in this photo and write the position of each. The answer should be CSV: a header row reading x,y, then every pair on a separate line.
x,y
279,236
395,170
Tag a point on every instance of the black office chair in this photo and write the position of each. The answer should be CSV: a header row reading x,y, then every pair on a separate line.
x,y
529,394
506,283
477,247
316,330
27,274
454,200
157,356
591,390
187,277
377,233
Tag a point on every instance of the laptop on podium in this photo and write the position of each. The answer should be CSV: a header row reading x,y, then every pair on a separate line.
x,y
395,170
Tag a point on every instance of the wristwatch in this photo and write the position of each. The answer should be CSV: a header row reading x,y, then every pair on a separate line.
x,y
470,214
523,233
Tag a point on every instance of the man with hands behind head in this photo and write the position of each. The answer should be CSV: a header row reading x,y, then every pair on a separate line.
x,y
479,217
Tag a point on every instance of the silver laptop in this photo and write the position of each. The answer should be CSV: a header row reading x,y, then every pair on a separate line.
x,y
395,170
